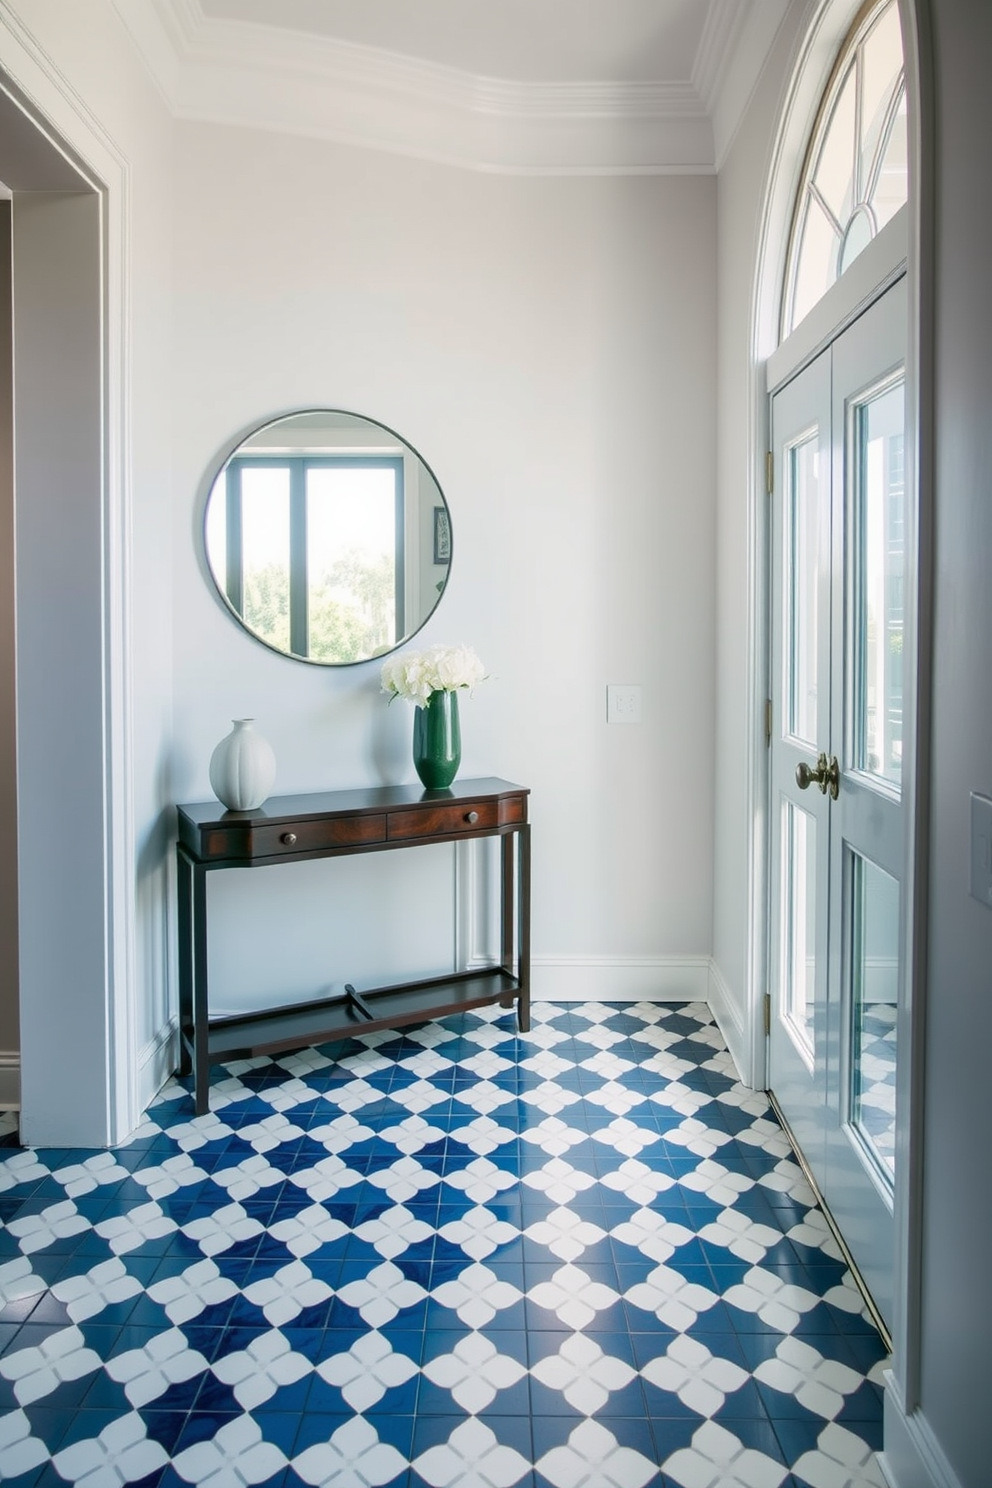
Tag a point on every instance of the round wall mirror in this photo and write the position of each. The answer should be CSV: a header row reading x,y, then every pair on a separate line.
x,y
327,537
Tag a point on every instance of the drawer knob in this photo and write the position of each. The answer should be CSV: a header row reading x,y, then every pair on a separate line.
x,y
471,817
289,838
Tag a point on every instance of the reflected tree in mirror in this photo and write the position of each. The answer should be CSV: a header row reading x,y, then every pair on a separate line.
x,y
319,535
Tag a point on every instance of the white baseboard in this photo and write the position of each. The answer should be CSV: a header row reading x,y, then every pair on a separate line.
x,y
724,1008
912,1457
156,1062
10,1080
619,978
881,977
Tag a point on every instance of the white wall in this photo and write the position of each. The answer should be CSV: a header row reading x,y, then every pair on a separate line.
x,y
548,346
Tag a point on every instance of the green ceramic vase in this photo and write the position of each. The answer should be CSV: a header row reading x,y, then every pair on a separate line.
x,y
437,740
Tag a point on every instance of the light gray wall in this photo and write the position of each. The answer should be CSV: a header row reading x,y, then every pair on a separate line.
x,y
548,346
957,1202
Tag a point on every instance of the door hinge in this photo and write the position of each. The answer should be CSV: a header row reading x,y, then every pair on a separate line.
x,y
767,1000
770,472
768,722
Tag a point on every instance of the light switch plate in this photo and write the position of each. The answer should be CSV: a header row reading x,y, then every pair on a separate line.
x,y
623,703
981,849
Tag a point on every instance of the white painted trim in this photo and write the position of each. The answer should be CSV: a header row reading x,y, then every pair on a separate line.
x,y
879,265
729,97
723,26
912,1456
244,73
10,1080
47,97
808,71
723,1006
156,1062
881,979
911,1070
571,978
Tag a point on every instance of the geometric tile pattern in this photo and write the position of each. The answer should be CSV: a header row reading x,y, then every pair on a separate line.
x,y
448,1256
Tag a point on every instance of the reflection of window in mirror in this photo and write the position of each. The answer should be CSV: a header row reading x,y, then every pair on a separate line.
x,y
313,552
322,534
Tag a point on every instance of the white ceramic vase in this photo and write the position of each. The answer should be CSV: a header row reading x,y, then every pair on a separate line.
x,y
242,767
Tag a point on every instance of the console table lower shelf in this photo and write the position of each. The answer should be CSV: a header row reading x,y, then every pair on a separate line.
x,y
339,823
279,1029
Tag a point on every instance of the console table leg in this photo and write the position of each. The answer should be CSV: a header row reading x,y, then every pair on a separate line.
x,y
506,912
507,846
201,1053
523,891
184,874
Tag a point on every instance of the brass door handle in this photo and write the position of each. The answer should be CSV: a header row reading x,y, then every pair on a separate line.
x,y
826,775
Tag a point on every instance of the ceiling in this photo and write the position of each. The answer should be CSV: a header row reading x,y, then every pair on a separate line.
x,y
519,86
525,41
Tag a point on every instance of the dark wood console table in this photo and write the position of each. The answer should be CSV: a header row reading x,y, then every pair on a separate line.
x,y
290,829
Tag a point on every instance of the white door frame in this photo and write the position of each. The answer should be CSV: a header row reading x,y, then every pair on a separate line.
x,y
67,1099
867,819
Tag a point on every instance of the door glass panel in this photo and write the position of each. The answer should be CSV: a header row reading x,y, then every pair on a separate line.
x,y
874,978
878,555
803,550
799,921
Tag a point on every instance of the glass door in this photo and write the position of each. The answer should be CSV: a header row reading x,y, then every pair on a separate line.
x,y
836,772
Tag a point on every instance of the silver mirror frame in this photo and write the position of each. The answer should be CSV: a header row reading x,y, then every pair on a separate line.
x,y
440,538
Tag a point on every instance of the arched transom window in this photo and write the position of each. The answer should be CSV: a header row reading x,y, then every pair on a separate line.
x,y
854,174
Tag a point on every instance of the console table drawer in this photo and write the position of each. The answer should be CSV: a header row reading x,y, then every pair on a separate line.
x,y
443,821
312,836
247,842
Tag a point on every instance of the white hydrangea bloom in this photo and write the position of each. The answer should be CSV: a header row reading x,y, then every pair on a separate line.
x,y
414,675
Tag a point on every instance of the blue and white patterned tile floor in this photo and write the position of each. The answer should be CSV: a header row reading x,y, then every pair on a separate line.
x,y
451,1256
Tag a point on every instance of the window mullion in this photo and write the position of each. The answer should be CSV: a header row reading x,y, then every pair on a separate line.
x,y
235,560
885,135
298,567
859,118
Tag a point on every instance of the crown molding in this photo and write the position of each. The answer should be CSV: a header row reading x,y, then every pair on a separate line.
x,y
724,22
245,74
747,39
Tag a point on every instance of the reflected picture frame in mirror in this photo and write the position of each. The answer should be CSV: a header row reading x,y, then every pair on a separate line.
x,y
320,532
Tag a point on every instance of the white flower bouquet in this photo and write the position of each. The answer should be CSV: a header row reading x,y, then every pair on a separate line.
x,y
415,675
